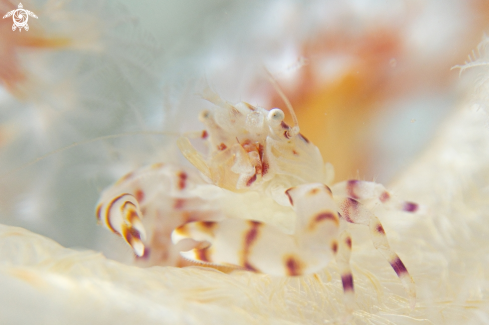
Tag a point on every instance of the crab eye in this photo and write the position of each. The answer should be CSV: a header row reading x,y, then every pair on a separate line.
x,y
275,116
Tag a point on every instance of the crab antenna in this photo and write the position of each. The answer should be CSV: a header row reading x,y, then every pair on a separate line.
x,y
295,129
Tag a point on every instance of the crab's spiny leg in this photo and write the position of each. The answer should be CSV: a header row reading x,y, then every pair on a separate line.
x,y
363,190
342,250
380,242
353,211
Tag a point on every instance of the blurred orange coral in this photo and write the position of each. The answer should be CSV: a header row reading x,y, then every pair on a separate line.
x,y
377,64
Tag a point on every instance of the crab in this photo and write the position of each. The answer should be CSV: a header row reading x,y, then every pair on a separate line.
x,y
260,199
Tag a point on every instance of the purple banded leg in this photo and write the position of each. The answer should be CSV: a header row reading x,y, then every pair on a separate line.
x,y
363,190
354,212
342,250
380,242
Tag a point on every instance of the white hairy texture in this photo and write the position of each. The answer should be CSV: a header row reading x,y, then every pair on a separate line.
x,y
445,251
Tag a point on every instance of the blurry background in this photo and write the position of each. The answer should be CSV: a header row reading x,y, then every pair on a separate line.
x,y
370,82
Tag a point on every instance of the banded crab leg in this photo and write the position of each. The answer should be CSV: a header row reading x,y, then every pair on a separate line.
x,y
343,253
355,212
363,191
261,247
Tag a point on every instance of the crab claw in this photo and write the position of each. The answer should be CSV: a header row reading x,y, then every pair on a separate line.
x,y
122,215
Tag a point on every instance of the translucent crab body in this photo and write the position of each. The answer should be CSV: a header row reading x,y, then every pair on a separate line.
x,y
263,202
253,149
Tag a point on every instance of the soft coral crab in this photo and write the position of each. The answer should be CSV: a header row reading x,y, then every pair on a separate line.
x,y
261,202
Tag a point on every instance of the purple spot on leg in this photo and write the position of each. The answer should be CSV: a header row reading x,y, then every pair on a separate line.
x,y
399,267
347,280
350,188
410,207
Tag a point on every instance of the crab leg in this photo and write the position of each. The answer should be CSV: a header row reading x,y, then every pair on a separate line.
x,y
353,211
343,253
260,247
252,245
363,190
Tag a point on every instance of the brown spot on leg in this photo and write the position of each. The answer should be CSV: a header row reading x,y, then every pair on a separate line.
x,y
260,151
207,227
334,247
323,216
179,203
295,153
252,233
139,195
313,191
380,229
384,197
398,266
350,188
249,238
251,180
290,197
293,266
221,147
250,267
348,242
347,280
264,168
204,134
182,180
410,207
